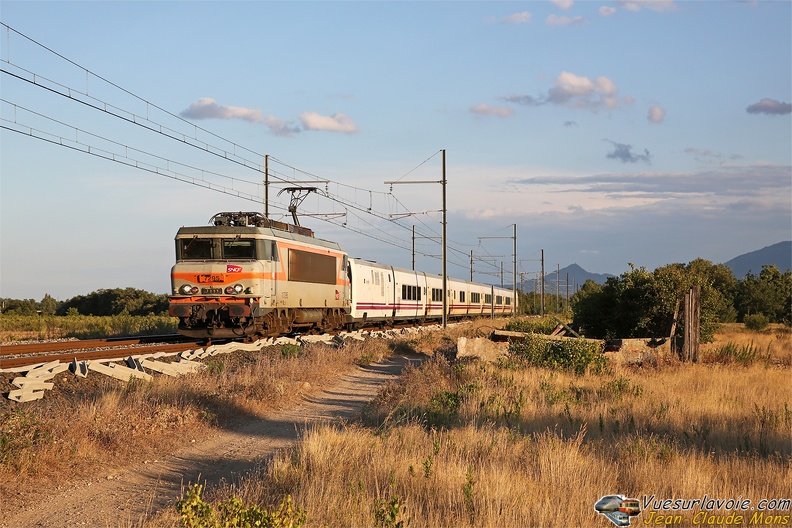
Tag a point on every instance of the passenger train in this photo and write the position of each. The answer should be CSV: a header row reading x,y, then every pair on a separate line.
x,y
246,276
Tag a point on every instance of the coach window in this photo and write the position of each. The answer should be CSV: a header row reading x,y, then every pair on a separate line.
x,y
461,296
194,248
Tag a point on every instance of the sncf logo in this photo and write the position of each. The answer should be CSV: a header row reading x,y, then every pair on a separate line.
x,y
230,268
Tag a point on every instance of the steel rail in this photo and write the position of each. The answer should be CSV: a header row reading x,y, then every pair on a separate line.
x,y
54,346
114,353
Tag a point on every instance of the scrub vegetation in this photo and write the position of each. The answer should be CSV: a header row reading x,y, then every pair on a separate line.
x,y
455,442
466,443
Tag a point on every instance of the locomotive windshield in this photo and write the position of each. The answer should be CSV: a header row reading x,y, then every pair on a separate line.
x,y
196,248
239,248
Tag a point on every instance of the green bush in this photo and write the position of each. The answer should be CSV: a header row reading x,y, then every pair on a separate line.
x,y
535,325
195,513
756,322
576,355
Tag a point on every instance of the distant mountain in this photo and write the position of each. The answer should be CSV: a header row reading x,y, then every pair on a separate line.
x,y
779,254
577,277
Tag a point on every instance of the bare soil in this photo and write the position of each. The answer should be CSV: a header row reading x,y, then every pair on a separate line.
x,y
131,496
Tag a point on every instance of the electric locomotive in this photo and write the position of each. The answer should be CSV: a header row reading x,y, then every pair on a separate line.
x,y
248,276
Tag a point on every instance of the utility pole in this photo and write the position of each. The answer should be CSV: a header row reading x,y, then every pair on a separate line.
x,y
266,186
543,284
558,286
445,241
413,253
514,263
443,182
471,265
535,291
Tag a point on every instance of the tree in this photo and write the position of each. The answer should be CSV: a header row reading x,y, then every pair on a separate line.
x,y
620,308
116,301
20,306
643,304
48,305
769,293
592,308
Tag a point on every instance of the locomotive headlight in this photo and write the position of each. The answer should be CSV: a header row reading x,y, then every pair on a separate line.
x,y
187,289
235,289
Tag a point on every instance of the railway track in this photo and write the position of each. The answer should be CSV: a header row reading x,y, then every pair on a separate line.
x,y
42,361
16,356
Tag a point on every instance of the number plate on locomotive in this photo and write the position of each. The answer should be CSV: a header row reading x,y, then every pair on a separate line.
x,y
209,278
212,290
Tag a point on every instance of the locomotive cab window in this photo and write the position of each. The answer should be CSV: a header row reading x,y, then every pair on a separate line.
x,y
194,248
239,248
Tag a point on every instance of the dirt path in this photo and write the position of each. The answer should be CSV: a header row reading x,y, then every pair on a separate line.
x,y
127,497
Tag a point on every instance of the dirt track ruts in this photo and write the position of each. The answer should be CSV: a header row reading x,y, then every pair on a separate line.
x,y
127,497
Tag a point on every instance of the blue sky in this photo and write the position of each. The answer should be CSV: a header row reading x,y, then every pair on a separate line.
x,y
644,132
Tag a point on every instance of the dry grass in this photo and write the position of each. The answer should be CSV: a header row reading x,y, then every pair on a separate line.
x,y
100,422
474,444
488,476
774,343
452,444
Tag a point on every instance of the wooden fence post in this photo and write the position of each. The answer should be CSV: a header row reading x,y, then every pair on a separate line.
x,y
690,347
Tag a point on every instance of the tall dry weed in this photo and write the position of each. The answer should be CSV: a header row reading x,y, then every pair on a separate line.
x,y
100,422
478,444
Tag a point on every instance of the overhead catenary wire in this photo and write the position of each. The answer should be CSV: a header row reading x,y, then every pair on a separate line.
x,y
231,151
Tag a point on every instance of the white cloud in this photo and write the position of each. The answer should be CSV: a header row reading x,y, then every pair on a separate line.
x,y
523,17
207,108
485,109
335,123
656,114
554,20
581,92
575,91
606,11
563,4
280,127
658,6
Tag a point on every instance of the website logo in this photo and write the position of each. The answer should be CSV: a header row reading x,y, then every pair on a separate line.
x,y
618,509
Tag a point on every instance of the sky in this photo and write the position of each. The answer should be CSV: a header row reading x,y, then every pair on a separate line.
x,y
609,133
